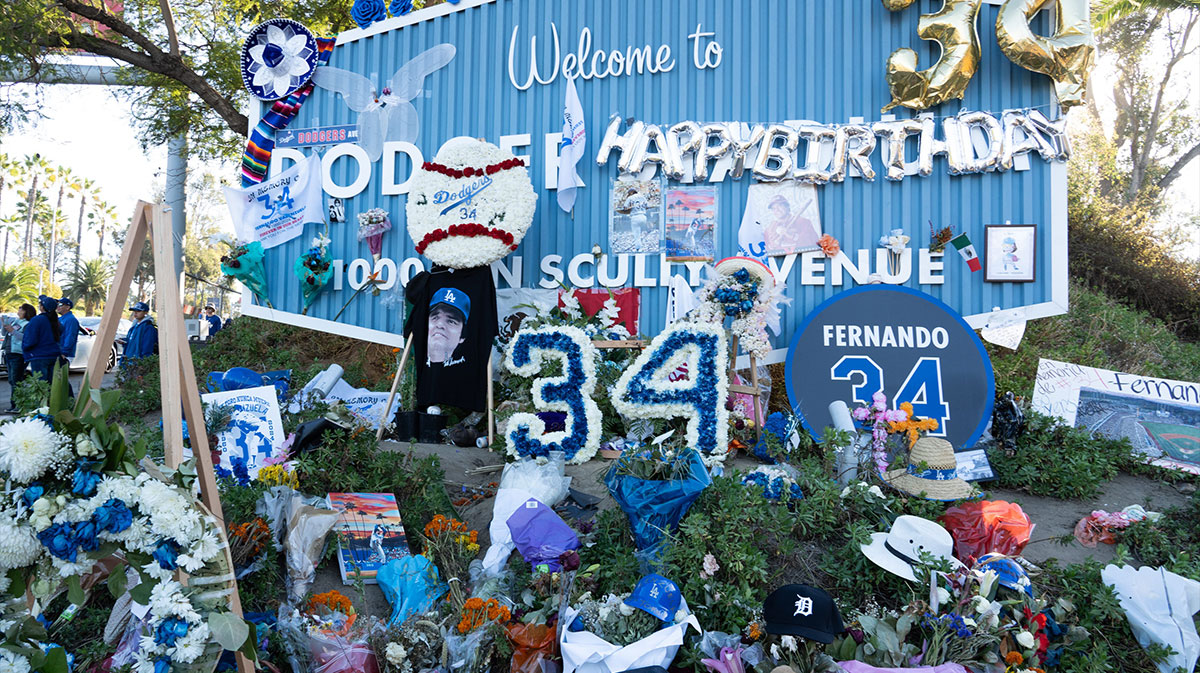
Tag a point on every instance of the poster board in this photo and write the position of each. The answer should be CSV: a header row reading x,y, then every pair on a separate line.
x,y
255,429
1160,417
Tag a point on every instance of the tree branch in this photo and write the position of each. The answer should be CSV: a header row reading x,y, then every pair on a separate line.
x,y
114,23
1177,169
170,21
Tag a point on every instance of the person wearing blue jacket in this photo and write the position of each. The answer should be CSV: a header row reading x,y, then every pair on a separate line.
x,y
42,342
70,336
142,339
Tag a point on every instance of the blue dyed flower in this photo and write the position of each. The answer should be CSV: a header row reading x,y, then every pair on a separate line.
x,y
32,493
366,12
222,473
112,517
741,275
169,631
85,535
400,7
87,477
59,539
240,473
162,665
167,554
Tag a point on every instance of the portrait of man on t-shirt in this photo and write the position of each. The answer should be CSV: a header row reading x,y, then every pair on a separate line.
x,y
448,313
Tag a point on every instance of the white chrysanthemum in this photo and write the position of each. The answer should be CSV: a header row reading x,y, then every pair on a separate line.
x,y
191,647
189,563
11,662
19,545
68,569
207,547
5,583
157,572
122,488
145,663
396,654
166,598
28,448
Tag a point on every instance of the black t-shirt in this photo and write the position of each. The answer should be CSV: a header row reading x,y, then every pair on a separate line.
x,y
453,323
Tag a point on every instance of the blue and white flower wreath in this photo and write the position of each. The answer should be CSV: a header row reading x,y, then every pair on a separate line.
x,y
645,391
570,392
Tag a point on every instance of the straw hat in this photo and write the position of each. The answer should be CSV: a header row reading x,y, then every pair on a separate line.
x,y
756,269
932,470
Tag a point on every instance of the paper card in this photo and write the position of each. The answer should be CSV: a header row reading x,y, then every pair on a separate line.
x,y
255,430
1005,328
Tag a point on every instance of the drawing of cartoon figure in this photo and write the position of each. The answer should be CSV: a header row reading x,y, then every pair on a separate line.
x,y
1008,255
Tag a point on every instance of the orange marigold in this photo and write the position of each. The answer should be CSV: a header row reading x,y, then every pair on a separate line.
x,y
332,600
755,632
1014,658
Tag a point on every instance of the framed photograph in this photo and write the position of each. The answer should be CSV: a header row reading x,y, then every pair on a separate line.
x,y
1010,253
691,224
635,216
974,465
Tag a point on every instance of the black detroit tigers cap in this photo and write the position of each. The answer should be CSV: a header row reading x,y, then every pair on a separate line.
x,y
801,610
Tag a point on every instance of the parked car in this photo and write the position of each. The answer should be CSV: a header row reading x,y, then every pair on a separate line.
x,y
86,340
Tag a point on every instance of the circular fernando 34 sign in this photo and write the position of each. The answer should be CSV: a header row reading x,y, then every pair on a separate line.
x,y
905,343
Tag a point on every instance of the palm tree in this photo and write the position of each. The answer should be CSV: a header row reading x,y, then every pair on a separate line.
x,y
8,168
89,284
64,178
107,213
18,285
85,188
1108,12
33,166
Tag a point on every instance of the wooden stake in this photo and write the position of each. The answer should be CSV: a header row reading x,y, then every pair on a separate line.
x,y
395,386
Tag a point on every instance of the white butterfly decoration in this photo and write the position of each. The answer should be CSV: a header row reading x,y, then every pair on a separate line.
x,y
390,117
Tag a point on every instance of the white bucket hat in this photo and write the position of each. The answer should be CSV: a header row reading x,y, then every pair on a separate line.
x,y
899,550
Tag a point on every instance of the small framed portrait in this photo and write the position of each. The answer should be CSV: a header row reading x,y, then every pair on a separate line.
x,y
1010,253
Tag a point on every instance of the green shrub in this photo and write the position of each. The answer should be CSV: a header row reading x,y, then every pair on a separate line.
x,y
1057,460
1097,332
31,394
1172,541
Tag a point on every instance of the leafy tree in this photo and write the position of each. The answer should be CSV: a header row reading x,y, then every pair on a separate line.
x,y
18,285
89,284
1107,12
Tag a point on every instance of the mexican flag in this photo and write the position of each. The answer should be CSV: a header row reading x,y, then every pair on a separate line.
x,y
967,250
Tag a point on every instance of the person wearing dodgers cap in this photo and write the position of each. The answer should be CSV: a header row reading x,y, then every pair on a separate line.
x,y
449,310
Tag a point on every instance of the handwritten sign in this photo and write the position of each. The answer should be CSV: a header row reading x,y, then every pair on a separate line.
x,y
1160,417
255,427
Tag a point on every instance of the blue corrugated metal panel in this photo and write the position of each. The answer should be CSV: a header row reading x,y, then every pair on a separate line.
x,y
820,60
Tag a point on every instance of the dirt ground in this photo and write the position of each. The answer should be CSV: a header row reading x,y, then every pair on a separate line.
x,y
1053,518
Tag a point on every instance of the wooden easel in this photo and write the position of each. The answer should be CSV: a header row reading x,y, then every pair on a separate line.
x,y
175,363
751,389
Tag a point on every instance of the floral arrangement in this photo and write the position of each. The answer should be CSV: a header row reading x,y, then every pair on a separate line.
x,y
772,446
570,393
644,391
278,474
895,242
75,496
330,601
938,239
471,205
248,540
774,482
314,269
911,427
372,225
653,462
415,645
477,613
750,304
612,620
451,545
878,417
829,245
244,263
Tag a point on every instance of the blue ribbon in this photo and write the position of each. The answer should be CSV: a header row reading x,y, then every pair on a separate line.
x,y
935,475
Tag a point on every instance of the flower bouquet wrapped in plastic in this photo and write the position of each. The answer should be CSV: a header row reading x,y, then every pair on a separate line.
x,y
244,263
314,269
655,487
372,225
609,635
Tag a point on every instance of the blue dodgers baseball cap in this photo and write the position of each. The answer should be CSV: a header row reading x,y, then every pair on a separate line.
x,y
140,306
657,596
452,297
66,301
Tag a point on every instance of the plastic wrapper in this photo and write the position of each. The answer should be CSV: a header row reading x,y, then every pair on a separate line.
x,y
534,647
410,585
585,652
519,482
987,526
245,264
462,651
340,654
1160,606
860,667
541,535
712,642
307,528
655,508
